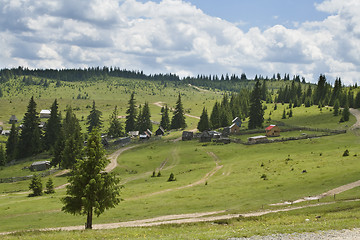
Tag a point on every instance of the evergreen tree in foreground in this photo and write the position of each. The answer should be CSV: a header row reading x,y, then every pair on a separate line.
x,y
256,110
178,119
53,127
12,143
30,136
36,186
204,121
115,129
165,120
91,189
345,116
130,123
94,118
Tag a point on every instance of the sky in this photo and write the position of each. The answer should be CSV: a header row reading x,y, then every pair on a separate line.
x,y
186,37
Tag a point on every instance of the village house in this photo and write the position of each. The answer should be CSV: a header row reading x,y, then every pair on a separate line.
x,y
13,119
234,128
186,135
160,131
205,136
272,131
133,134
45,113
40,166
257,139
144,136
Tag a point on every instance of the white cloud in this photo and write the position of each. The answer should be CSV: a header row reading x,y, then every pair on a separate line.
x,y
175,36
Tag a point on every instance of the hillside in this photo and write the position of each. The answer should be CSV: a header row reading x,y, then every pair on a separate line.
x,y
212,180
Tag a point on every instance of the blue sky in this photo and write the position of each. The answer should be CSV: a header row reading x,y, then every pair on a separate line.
x,y
306,38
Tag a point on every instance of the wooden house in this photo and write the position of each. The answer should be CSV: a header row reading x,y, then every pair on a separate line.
x,y
13,119
186,135
272,131
234,128
45,113
133,133
40,166
160,131
205,136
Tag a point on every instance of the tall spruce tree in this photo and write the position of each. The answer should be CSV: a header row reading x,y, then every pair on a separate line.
x,y
115,130
73,140
336,107
178,119
165,120
30,136
12,143
215,116
94,118
144,121
130,123
345,116
91,189
2,156
204,121
256,109
53,127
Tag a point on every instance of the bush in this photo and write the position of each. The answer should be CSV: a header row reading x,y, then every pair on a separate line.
x,y
346,153
264,177
171,178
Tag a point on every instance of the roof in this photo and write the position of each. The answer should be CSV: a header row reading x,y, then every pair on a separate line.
x,y
237,119
232,125
161,129
257,137
45,111
40,163
270,127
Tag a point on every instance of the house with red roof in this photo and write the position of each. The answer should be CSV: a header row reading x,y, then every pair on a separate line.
x,y
272,131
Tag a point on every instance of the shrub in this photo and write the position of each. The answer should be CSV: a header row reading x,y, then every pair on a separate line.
x,y
50,186
346,153
264,177
36,186
171,178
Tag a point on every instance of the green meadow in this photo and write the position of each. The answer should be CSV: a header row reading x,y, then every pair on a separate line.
x,y
233,178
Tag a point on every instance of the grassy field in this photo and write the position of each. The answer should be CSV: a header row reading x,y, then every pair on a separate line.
x,y
209,177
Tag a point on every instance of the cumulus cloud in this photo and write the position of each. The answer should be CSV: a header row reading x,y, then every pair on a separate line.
x,y
175,36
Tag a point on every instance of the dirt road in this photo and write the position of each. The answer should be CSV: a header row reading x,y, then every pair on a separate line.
x,y
356,113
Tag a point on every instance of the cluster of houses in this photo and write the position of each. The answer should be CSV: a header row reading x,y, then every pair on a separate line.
x,y
146,134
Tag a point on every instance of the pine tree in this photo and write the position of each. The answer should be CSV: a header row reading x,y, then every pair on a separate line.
x,y
50,186
256,110
130,123
345,114
215,116
30,136
336,107
165,120
284,114
2,156
115,130
53,127
73,140
178,119
204,121
12,143
94,118
58,149
36,186
144,121
91,189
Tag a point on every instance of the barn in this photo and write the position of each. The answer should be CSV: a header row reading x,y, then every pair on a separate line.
x,y
160,131
45,113
40,166
257,139
272,131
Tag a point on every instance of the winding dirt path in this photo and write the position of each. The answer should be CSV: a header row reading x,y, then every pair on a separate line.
x,y
356,113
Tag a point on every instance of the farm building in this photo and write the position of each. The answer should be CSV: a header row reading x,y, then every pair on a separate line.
x,y
237,121
215,134
133,133
45,113
149,132
257,139
40,166
187,135
205,136
160,131
144,136
272,131
5,132
234,128
13,119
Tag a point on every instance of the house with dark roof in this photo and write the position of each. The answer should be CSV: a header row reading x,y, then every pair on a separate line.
x,y
186,135
160,131
205,136
272,131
